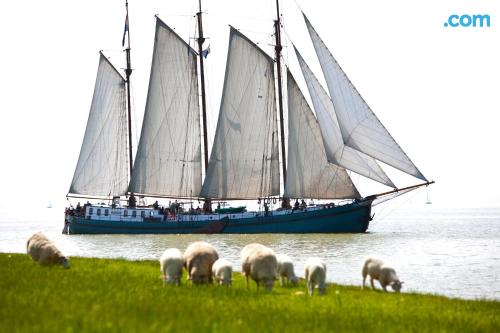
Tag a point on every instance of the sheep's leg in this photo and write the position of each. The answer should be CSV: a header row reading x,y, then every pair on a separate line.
x,y
310,288
384,287
371,282
246,281
282,280
364,273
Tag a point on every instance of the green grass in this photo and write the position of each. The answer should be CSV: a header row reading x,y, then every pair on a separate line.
x,y
99,295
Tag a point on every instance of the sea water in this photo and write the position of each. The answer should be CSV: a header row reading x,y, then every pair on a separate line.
x,y
447,251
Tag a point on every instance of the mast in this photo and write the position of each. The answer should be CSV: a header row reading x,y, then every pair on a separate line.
x,y
128,72
278,48
201,40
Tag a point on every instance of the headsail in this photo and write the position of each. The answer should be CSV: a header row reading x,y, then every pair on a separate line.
x,y
102,168
168,160
244,159
360,128
309,173
336,151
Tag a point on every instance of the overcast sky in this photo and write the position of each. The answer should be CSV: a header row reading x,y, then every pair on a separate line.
x,y
435,89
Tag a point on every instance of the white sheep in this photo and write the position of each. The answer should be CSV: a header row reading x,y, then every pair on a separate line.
x,y
222,271
285,270
198,260
315,275
42,250
382,272
171,262
259,263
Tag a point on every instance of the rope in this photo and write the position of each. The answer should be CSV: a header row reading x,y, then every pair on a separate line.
x,y
395,207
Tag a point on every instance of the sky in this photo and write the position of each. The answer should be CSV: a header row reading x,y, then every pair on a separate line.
x,y
434,88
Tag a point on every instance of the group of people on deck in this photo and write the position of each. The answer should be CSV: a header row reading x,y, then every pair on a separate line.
x,y
175,207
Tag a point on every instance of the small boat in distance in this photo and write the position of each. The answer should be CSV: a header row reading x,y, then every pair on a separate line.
x,y
248,147
428,201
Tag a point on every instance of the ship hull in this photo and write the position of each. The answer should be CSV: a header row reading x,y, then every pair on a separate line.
x,y
350,218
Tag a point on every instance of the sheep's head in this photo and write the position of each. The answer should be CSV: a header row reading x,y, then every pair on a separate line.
x,y
64,261
226,282
198,277
294,280
322,289
172,279
397,285
268,284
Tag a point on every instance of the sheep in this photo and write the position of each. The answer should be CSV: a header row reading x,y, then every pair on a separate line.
x,y
259,263
222,271
171,262
285,270
42,250
382,272
198,260
315,275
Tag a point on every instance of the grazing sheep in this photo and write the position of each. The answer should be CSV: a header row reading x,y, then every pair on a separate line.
x,y
222,271
385,274
171,262
259,262
285,270
198,260
42,250
315,274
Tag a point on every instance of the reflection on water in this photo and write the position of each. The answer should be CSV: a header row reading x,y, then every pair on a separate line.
x,y
430,248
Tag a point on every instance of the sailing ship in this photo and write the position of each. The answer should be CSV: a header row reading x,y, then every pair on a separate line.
x,y
244,164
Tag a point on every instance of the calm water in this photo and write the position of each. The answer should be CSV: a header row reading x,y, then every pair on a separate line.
x,y
453,252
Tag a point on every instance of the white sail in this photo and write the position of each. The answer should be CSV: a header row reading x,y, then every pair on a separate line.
x,y
336,151
360,128
102,168
244,160
168,160
309,175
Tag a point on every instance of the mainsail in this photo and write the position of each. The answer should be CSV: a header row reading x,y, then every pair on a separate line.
x,y
359,126
244,160
309,174
168,160
102,168
336,151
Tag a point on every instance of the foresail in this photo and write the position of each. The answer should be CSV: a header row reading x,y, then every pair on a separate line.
x,y
102,168
309,175
336,151
168,160
359,126
244,160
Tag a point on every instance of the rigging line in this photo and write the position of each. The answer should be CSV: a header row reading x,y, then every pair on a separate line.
x,y
256,32
243,17
395,207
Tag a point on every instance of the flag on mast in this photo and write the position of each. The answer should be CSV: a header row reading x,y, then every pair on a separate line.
x,y
125,30
205,52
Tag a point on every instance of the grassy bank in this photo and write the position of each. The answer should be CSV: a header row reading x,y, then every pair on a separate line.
x,y
126,296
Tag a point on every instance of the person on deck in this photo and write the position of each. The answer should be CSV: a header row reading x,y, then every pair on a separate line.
x,y
131,200
285,204
303,204
296,205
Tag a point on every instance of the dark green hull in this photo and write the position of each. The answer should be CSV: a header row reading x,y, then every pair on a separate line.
x,y
351,218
